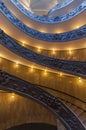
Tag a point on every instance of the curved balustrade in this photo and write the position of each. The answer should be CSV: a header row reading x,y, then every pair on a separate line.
x,y
8,82
72,35
71,67
47,28
66,97
61,5
54,12
75,104
69,84
63,18
68,54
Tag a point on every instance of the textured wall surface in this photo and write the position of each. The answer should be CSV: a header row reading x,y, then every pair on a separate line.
x,y
16,110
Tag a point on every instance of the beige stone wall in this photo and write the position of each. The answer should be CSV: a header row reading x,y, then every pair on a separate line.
x,y
77,54
65,83
68,84
16,110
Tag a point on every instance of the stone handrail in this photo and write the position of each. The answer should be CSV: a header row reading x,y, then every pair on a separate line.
x,y
62,37
71,67
63,18
66,116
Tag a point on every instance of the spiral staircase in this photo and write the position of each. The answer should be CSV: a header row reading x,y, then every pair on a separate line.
x,y
43,64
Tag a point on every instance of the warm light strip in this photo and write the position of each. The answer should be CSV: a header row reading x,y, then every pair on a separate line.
x,y
79,80
46,70
57,48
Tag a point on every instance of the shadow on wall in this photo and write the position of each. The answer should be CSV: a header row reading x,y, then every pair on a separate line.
x,y
34,126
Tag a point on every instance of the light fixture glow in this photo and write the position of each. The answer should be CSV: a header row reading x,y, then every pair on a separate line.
x,y
60,74
80,80
31,68
45,72
53,51
70,51
13,95
39,49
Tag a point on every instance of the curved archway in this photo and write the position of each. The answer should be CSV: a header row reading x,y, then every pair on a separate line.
x,y
34,126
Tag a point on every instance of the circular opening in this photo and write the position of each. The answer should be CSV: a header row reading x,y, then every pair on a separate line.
x,y
40,7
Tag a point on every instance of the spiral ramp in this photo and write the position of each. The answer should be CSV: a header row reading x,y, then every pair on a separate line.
x,y
44,58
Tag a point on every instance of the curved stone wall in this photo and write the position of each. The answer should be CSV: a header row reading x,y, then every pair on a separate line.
x,y
38,71
17,34
71,54
72,35
59,81
67,117
52,20
47,28
70,67
16,110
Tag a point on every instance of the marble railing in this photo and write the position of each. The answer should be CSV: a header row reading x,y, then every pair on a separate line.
x,y
67,36
63,18
71,67
14,84
61,5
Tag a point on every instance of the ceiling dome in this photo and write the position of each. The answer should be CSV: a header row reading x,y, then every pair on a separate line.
x,y
40,7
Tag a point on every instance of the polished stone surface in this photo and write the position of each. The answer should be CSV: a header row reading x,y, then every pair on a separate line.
x,y
57,107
